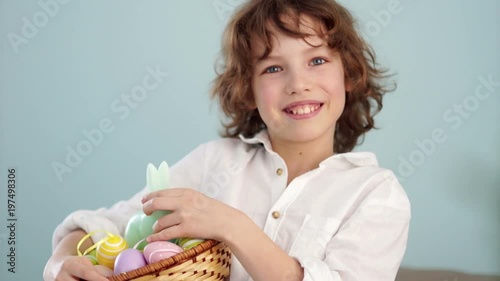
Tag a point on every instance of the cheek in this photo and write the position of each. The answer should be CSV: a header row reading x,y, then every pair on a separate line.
x,y
334,81
334,91
265,106
264,92
337,96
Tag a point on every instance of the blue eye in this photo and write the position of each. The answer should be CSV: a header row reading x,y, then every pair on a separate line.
x,y
273,69
318,61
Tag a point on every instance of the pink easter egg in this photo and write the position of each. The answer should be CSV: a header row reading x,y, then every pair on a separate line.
x,y
128,260
160,250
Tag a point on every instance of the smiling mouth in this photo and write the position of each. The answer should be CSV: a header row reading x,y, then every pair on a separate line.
x,y
303,109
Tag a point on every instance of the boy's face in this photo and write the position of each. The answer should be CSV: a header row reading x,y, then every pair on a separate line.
x,y
299,89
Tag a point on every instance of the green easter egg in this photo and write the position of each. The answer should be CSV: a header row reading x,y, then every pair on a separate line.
x,y
92,257
93,253
159,214
146,227
188,243
132,231
141,245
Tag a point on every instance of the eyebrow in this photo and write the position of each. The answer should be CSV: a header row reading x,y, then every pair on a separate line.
x,y
272,57
261,59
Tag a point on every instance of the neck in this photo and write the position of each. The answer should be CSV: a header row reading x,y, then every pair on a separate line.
x,y
301,157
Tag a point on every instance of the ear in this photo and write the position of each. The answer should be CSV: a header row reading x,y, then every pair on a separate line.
x,y
348,86
250,103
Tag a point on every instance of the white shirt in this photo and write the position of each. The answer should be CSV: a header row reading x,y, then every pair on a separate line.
x,y
346,220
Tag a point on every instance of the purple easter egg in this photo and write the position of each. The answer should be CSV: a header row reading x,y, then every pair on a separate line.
x,y
160,250
128,260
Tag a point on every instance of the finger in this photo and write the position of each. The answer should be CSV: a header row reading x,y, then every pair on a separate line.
x,y
167,221
159,204
65,276
167,234
93,275
73,268
82,268
169,192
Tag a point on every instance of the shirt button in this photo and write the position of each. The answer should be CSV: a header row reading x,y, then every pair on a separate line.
x,y
276,214
279,172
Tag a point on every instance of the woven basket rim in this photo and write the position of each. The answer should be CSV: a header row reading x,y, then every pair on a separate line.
x,y
175,260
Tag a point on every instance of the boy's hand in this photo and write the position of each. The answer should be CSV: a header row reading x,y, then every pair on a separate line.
x,y
71,268
193,215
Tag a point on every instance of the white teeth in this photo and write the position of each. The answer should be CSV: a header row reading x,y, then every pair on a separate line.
x,y
304,109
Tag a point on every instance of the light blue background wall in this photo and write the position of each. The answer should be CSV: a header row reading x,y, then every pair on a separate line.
x,y
67,76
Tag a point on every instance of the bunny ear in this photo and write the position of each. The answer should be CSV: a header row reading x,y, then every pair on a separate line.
x,y
157,179
163,176
150,175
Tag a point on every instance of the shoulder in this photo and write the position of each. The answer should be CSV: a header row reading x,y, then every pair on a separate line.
x,y
364,164
366,180
383,189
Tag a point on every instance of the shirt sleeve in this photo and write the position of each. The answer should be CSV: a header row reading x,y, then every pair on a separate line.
x,y
113,219
371,243
188,172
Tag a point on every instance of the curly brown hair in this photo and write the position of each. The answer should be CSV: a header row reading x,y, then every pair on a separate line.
x,y
254,19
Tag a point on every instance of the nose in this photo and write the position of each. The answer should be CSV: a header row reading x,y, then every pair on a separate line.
x,y
298,82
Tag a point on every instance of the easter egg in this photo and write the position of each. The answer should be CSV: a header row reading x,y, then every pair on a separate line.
x,y
103,270
140,227
159,250
128,260
188,243
132,233
92,257
146,226
109,250
141,245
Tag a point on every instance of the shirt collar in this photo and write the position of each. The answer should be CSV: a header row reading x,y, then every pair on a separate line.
x,y
260,138
357,159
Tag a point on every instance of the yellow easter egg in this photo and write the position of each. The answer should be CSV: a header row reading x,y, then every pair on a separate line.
x,y
109,250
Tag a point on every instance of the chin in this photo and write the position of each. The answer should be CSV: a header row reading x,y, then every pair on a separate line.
x,y
305,136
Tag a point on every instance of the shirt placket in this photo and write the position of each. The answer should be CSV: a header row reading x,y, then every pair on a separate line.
x,y
283,197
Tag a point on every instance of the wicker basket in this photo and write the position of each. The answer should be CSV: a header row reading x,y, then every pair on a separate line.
x,y
211,260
